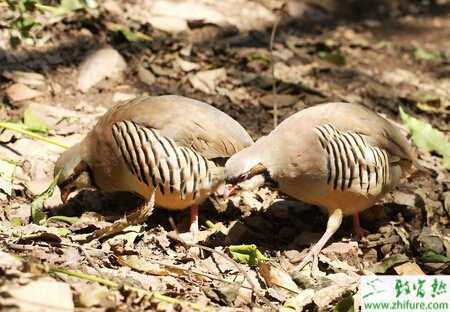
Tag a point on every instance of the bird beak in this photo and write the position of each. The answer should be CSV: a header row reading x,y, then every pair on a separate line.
x,y
230,190
65,196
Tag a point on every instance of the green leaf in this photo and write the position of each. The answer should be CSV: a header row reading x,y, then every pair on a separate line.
x,y
427,55
33,122
25,23
26,5
71,5
426,137
20,128
37,214
387,263
247,254
14,41
335,58
430,256
16,221
130,35
63,231
69,220
7,173
345,305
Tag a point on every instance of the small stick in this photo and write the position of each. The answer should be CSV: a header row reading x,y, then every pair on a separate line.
x,y
274,82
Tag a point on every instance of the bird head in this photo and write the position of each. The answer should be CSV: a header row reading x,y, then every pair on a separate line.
x,y
245,171
74,172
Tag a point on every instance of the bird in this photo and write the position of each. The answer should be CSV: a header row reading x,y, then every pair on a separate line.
x,y
168,149
341,157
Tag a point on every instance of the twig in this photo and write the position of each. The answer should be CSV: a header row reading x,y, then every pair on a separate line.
x,y
272,61
103,281
193,271
19,129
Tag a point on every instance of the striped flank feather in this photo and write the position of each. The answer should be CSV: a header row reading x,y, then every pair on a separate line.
x,y
353,164
159,163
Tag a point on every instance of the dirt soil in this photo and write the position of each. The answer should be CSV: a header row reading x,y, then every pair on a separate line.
x,y
382,54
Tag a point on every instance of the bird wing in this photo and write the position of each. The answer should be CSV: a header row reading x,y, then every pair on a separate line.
x,y
352,163
188,122
158,161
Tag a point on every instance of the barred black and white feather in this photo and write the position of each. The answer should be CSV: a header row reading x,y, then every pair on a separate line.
x,y
160,163
352,163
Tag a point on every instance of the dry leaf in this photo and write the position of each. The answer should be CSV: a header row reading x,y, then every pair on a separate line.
x,y
20,92
276,277
408,268
207,81
45,294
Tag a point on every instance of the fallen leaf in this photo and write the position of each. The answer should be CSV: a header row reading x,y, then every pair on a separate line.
x,y
142,265
8,261
26,78
345,305
186,66
91,295
37,214
433,257
168,23
7,170
42,295
225,294
335,57
33,122
298,302
127,33
20,92
276,277
430,241
66,219
426,137
207,81
383,266
282,100
427,55
408,268
246,254
101,64
121,97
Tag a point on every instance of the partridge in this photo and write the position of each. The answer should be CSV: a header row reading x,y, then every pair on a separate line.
x,y
339,156
169,147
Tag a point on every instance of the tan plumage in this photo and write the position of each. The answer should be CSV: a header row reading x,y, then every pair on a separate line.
x,y
339,156
170,145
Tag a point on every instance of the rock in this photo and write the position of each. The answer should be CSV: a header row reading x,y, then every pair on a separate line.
x,y
101,64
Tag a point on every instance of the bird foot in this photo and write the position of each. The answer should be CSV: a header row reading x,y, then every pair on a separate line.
x,y
311,257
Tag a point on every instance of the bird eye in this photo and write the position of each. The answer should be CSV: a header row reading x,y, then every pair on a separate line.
x,y
243,177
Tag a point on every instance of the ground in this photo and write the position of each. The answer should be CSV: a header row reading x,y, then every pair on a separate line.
x,y
382,54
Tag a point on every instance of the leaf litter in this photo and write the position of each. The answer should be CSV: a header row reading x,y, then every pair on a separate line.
x,y
144,266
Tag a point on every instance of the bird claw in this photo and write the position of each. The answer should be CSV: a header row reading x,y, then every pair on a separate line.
x,y
311,257
360,232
